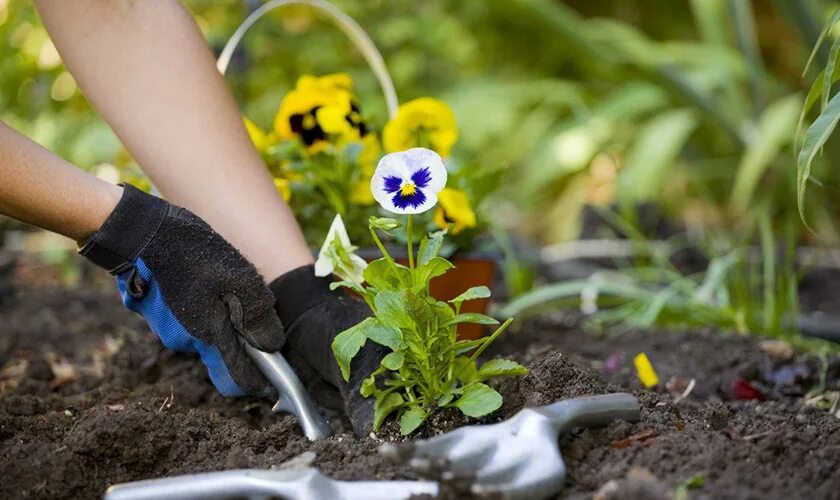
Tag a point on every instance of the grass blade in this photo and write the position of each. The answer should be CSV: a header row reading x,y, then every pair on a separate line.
x,y
653,152
776,127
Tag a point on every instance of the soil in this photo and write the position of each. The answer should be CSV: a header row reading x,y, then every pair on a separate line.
x,y
88,398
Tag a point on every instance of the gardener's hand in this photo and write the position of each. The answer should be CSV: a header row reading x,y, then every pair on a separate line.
x,y
195,290
313,315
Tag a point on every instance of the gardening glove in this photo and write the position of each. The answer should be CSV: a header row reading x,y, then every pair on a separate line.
x,y
195,290
313,315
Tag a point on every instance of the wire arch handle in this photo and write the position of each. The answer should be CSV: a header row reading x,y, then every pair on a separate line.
x,y
346,23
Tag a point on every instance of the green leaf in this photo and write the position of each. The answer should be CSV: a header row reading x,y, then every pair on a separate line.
x,y
815,138
501,368
432,269
446,398
463,369
443,311
476,292
384,406
481,319
384,223
430,247
828,72
463,346
828,26
383,334
411,420
478,400
393,361
420,312
346,345
390,308
368,387
348,284
384,275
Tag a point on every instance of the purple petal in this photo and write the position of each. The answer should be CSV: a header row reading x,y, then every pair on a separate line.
x,y
422,177
392,184
413,200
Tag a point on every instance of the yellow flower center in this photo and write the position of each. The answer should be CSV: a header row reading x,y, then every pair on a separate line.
x,y
408,189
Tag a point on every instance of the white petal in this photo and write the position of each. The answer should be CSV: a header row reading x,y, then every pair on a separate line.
x,y
323,266
359,266
402,165
419,158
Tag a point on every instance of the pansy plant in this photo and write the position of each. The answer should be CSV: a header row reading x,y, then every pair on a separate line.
x,y
428,368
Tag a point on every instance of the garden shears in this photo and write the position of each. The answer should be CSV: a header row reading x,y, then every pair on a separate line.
x,y
518,458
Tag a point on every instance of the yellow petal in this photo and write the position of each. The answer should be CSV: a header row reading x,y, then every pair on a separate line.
x,y
258,137
284,187
455,207
440,218
332,119
361,193
423,122
647,375
370,153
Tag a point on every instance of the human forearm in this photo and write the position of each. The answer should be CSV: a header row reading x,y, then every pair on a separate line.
x,y
147,69
41,189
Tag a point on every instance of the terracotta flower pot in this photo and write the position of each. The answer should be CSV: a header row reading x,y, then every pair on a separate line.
x,y
471,269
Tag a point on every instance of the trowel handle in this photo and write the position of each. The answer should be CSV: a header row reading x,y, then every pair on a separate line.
x,y
592,411
293,396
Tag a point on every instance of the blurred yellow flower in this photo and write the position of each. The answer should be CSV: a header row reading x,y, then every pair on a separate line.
x,y
318,109
644,369
284,187
454,208
361,194
261,139
423,122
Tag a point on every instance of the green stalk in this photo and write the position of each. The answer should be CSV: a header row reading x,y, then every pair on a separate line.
x,y
408,230
382,248
492,338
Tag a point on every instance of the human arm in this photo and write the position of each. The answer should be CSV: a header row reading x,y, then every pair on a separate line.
x,y
148,71
195,290
41,189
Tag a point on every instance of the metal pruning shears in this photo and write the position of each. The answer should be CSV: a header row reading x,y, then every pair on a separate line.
x,y
515,459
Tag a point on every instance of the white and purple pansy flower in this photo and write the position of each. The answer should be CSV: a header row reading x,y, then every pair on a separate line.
x,y
408,182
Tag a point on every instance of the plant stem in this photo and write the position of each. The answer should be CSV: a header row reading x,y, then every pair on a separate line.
x,y
408,230
382,248
491,338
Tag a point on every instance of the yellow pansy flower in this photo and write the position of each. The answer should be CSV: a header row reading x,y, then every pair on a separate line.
x,y
454,208
423,122
284,187
320,108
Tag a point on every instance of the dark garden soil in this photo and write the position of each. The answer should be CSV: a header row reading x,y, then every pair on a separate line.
x,y
88,398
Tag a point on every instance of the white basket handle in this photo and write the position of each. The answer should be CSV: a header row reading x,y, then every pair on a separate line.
x,y
346,23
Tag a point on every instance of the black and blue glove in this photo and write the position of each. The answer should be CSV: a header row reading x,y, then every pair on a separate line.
x,y
195,290
313,315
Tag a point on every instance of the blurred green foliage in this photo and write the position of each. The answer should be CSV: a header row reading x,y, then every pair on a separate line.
x,y
691,106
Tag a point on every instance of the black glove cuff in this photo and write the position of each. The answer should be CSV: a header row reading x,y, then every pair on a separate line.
x,y
127,231
298,291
